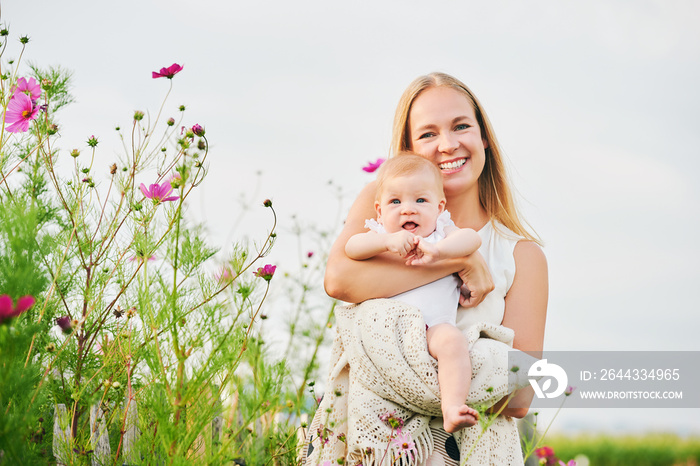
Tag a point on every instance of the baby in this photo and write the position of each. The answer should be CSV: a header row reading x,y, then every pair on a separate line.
x,y
413,223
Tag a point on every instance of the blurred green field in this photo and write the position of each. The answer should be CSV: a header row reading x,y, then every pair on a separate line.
x,y
645,450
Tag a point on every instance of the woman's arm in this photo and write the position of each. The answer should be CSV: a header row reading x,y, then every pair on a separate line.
x,y
525,313
386,274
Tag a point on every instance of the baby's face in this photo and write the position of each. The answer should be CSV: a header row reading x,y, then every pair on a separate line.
x,y
412,202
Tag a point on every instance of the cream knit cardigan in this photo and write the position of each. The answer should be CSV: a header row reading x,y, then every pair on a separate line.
x,y
380,364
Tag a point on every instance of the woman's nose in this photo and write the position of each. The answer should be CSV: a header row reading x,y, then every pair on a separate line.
x,y
448,143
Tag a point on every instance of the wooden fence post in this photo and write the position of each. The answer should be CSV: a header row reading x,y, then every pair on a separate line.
x,y
99,436
131,431
62,438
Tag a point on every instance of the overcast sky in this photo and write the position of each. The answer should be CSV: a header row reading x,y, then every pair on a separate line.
x,y
595,104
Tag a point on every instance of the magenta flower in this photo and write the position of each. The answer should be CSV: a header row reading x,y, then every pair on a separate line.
x,y
168,72
159,192
198,130
142,258
20,111
403,443
372,166
544,452
225,275
29,87
8,310
265,272
569,390
66,324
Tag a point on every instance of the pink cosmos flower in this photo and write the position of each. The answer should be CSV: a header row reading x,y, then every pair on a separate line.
x,y
168,72
403,443
266,272
29,87
8,311
198,130
372,166
544,452
66,324
159,192
224,275
20,111
143,258
569,390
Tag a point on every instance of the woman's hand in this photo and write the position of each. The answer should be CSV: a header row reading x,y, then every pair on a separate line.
x,y
477,281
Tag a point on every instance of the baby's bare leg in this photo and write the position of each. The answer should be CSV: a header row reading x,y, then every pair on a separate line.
x,y
448,345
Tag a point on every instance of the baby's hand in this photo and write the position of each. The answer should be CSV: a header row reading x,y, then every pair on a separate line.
x,y
426,253
402,242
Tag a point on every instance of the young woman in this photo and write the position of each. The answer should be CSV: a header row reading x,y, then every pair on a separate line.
x,y
504,283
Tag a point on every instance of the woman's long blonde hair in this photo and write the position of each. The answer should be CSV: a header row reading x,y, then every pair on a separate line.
x,y
494,190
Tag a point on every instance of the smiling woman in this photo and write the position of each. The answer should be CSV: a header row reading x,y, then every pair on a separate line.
x,y
505,282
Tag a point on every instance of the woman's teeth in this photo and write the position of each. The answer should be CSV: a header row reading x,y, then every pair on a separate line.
x,y
452,165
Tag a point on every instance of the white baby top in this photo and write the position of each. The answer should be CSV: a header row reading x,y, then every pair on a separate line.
x,y
438,300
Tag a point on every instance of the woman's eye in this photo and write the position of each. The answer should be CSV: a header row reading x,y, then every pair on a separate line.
x,y
461,127
426,135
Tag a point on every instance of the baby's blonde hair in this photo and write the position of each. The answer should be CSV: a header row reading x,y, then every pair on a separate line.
x,y
407,163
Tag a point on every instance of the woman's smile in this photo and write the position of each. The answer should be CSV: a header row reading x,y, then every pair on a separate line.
x,y
454,165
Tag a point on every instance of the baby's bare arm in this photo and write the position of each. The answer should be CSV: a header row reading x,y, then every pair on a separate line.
x,y
366,245
458,242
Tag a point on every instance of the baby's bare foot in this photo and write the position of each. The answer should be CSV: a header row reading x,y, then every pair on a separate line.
x,y
455,418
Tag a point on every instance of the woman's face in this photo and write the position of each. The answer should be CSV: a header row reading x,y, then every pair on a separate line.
x,y
443,128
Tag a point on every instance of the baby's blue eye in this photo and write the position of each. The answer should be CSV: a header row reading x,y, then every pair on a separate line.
x,y
395,201
420,200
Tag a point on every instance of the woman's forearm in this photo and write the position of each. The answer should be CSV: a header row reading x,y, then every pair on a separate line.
x,y
382,276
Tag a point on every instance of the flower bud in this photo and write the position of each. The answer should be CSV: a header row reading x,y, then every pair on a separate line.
x,y
138,115
52,129
65,324
171,121
113,169
24,39
267,203
92,141
74,153
182,108
201,145
198,130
